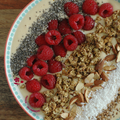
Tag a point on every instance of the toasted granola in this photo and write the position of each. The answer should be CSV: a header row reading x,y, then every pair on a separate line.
x,y
83,71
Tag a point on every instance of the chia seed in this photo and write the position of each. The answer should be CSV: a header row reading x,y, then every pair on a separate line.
x,y
28,46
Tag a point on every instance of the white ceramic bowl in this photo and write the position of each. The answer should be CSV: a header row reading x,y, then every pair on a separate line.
x,y
16,33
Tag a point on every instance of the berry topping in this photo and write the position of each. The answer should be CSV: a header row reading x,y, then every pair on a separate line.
x,y
45,53
79,36
60,50
90,7
106,10
48,81
71,8
53,37
26,73
53,25
64,27
89,23
54,66
33,86
40,40
76,21
36,100
40,68
31,60
70,42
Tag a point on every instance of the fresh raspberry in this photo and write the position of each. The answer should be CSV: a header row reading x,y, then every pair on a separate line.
x,y
90,7
60,50
89,23
31,60
48,81
36,100
70,42
76,21
71,8
40,40
26,73
106,10
64,27
45,53
33,86
53,25
40,68
79,36
54,66
53,37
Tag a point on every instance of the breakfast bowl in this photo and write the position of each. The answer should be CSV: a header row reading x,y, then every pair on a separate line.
x,y
35,15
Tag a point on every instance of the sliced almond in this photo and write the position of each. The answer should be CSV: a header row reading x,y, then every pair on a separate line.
x,y
96,76
98,82
118,57
64,115
109,68
99,66
104,76
73,100
86,95
117,47
89,78
78,103
83,90
92,81
97,87
114,50
80,97
70,118
110,57
118,40
89,84
73,111
79,86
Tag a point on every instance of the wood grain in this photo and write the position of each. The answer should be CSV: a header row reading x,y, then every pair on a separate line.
x,y
9,108
13,4
6,20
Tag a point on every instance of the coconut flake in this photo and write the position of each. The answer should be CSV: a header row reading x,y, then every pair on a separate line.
x,y
101,98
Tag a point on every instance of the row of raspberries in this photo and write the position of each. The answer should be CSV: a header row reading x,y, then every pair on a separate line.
x,y
89,7
37,99
61,36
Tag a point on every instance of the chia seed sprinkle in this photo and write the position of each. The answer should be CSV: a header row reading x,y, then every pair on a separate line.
x,y
28,46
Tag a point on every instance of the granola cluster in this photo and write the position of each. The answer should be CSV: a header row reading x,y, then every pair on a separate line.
x,y
59,103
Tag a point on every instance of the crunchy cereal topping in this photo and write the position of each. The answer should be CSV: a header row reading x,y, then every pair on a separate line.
x,y
48,93
98,18
58,58
108,21
83,71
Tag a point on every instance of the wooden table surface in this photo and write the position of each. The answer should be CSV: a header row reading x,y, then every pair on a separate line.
x,y
9,108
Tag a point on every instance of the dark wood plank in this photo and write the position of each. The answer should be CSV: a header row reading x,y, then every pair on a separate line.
x,y
9,108
13,4
6,20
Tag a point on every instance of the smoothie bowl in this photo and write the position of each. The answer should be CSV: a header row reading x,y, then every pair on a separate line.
x,y
62,59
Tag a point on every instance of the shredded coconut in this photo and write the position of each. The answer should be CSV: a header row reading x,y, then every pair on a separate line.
x,y
101,98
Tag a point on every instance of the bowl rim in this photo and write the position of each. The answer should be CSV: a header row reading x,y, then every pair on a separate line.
x,y
5,59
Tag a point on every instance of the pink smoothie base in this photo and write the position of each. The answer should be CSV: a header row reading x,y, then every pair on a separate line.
x,y
5,59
